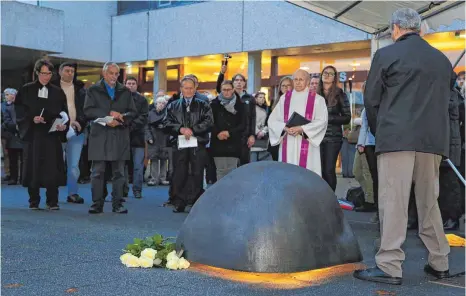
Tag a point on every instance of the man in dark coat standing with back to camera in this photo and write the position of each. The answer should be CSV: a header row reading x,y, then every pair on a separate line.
x,y
109,142
406,98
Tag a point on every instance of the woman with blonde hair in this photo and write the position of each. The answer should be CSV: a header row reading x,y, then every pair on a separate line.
x,y
285,85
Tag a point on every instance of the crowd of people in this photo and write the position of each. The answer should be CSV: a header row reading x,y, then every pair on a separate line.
x,y
140,140
412,118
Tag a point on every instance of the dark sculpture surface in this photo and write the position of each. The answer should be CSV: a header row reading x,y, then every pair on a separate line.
x,y
268,217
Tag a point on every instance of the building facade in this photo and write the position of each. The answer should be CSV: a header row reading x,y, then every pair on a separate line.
x,y
160,41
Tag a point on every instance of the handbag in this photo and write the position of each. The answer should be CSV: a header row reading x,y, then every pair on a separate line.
x,y
354,135
262,143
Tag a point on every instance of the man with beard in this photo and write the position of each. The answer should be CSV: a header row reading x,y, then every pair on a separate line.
x,y
75,96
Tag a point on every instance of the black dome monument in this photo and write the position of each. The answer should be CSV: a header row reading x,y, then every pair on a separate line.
x,y
268,217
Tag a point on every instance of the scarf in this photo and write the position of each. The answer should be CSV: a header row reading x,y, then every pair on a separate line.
x,y
228,103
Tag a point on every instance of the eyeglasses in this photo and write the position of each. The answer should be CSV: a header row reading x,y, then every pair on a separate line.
x,y
327,74
45,73
227,89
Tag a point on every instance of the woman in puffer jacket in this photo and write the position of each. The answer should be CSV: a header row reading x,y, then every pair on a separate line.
x,y
339,114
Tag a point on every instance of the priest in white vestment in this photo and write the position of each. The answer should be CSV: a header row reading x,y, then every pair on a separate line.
x,y
299,145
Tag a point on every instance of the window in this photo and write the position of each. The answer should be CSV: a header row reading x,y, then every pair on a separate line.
x,y
168,4
133,6
172,75
125,7
164,3
148,75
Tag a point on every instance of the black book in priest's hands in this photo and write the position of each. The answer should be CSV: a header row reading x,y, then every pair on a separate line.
x,y
296,120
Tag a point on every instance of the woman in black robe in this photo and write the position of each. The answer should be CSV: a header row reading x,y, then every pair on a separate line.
x,y
37,106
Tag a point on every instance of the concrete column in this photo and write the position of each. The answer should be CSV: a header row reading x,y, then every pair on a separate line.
x,y
254,71
160,75
379,43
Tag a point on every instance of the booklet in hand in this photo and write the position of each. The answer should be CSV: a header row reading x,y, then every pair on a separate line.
x,y
297,120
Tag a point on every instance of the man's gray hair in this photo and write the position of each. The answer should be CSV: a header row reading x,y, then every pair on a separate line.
x,y
110,64
160,99
187,79
406,19
10,91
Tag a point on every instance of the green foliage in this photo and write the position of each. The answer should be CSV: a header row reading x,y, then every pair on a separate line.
x,y
157,242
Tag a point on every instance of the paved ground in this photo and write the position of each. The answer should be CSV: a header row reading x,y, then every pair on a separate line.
x,y
71,252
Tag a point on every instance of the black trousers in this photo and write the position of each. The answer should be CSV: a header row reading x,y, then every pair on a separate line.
x,y
245,157
15,155
461,184
274,151
98,182
372,163
210,169
328,156
183,192
52,196
84,164
449,199
412,208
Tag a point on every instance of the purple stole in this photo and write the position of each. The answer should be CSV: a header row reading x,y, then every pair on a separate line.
x,y
304,143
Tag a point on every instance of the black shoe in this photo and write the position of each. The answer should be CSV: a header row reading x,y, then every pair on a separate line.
x,y
137,194
178,210
74,198
450,225
120,210
438,274
366,208
6,178
96,210
33,206
53,207
12,182
376,275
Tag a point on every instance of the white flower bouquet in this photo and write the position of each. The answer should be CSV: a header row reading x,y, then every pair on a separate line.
x,y
155,251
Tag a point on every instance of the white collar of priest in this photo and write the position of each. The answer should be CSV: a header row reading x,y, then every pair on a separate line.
x,y
43,92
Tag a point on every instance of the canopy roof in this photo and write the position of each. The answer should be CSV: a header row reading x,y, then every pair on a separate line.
x,y
373,16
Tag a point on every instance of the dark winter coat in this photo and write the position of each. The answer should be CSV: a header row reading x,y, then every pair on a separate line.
x,y
156,134
109,143
43,164
199,119
407,96
250,102
338,115
9,127
455,136
138,125
235,124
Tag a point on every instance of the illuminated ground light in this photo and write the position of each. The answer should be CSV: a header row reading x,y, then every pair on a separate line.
x,y
280,280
